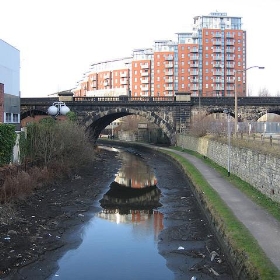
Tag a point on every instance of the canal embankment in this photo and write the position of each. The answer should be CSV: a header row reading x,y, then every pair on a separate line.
x,y
249,253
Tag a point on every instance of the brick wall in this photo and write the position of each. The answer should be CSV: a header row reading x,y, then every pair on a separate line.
x,y
260,170
1,103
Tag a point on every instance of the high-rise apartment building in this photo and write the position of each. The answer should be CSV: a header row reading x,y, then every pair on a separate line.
x,y
205,62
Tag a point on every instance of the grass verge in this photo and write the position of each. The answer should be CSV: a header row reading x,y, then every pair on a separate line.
x,y
244,245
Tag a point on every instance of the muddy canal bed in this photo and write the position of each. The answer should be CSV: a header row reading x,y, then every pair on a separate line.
x,y
46,232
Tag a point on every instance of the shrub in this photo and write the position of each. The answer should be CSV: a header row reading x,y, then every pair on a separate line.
x,y
7,143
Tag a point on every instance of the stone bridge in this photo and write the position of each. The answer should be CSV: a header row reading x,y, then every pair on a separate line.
x,y
171,114
95,113
248,108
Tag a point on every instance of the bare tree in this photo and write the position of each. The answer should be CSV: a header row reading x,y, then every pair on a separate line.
x,y
263,92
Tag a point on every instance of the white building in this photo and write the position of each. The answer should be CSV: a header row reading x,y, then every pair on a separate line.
x,y
9,84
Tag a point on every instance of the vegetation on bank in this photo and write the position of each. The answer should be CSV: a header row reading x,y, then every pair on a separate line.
x,y
240,239
49,150
7,142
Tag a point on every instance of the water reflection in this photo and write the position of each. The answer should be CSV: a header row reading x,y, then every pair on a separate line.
x,y
121,240
133,196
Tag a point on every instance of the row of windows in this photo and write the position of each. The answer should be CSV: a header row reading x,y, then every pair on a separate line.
x,y
11,118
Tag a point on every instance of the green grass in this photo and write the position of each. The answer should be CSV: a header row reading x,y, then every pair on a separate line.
x,y
241,240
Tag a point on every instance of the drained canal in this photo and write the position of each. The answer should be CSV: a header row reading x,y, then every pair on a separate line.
x,y
149,227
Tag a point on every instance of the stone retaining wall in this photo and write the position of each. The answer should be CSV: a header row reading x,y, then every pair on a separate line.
x,y
259,170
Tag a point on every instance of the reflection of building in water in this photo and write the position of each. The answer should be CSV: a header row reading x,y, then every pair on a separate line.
x,y
135,173
140,218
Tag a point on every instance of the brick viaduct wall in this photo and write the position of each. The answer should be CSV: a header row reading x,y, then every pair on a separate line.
x,y
259,170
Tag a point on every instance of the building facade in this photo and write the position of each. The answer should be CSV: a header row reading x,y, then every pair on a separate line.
x,y
9,84
210,61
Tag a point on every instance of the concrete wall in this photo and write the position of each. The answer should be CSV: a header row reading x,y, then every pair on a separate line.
x,y
259,170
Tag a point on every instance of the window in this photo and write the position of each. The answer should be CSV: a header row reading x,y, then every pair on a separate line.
x,y
135,64
183,85
8,117
135,79
135,87
183,63
183,78
135,72
183,55
182,48
158,63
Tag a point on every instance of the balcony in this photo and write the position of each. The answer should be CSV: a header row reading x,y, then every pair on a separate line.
x,y
229,50
194,87
106,83
230,80
194,73
217,35
218,88
169,87
144,94
217,65
229,65
195,35
230,57
230,87
194,50
169,65
144,80
194,65
194,57
217,73
106,76
124,82
230,73
230,36
124,75
217,57
169,57
93,85
168,80
145,66
144,88
217,42
144,73
93,78
217,50
229,43
218,80
169,73
194,81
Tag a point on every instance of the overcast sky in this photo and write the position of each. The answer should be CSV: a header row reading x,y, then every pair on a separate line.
x,y
59,39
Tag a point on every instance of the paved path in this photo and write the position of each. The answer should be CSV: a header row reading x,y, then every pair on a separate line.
x,y
260,223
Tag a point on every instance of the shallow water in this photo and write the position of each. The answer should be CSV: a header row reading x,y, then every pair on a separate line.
x,y
121,241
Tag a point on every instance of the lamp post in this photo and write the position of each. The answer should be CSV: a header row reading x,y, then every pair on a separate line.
x,y
235,95
58,108
227,112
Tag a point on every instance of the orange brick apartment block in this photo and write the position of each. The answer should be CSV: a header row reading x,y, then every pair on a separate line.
x,y
204,62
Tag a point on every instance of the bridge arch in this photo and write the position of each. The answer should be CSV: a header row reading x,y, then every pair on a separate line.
x,y
96,122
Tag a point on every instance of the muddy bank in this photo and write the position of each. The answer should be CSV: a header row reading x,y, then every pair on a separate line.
x,y
51,219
